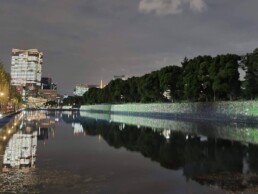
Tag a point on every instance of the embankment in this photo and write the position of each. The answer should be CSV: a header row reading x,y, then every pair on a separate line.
x,y
239,111
241,132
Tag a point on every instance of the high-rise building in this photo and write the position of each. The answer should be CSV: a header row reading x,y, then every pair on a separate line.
x,y
46,82
26,67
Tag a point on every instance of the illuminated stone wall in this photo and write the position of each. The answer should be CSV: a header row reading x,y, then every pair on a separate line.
x,y
97,108
241,132
244,111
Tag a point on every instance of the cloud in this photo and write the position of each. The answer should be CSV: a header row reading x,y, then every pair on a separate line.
x,y
83,37
197,5
173,7
160,7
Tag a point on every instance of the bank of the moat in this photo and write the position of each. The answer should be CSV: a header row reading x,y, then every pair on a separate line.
x,y
237,111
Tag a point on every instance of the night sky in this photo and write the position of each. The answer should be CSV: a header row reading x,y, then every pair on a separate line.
x,y
85,41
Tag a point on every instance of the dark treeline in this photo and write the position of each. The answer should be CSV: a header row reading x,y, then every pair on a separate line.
x,y
203,78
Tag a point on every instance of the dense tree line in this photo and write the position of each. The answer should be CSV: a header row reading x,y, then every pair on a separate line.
x,y
203,78
148,88
8,93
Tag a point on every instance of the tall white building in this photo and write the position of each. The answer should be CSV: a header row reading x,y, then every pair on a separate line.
x,y
26,67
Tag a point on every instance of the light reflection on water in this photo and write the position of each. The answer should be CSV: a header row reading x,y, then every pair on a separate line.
x,y
72,152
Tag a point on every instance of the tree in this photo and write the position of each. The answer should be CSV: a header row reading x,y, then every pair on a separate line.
x,y
251,78
225,77
196,78
149,88
8,93
170,79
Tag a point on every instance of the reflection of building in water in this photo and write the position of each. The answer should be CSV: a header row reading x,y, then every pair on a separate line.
x,y
21,150
121,126
166,133
1,155
41,120
36,115
43,134
77,129
6,134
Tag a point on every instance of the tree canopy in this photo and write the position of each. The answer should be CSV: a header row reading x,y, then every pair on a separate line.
x,y
202,78
8,93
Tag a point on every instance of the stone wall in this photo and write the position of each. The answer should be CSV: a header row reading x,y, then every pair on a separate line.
x,y
241,132
66,107
102,108
242,111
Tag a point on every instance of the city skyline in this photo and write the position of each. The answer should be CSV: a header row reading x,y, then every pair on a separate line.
x,y
95,40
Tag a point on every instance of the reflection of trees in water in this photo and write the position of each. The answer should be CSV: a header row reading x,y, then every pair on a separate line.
x,y
232,165
253,157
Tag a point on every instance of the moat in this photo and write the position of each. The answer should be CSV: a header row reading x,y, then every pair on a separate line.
x,y
80,152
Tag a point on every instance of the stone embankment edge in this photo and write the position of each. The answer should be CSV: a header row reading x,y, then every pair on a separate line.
x,y
7,117
239,111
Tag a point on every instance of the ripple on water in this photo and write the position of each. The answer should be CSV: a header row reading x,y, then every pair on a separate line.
x,y
47,181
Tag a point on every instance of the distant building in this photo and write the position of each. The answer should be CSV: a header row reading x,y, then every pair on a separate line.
x,y
26,67
47,84
65,96
122,77
167,94
35,102
48,89
80,89
102,85
48,94
26,71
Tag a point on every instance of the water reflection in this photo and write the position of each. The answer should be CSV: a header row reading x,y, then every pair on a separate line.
x,y
19,139
20,151
78,129
224,155
241,132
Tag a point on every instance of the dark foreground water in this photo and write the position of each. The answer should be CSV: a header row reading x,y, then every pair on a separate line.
x,y
73,152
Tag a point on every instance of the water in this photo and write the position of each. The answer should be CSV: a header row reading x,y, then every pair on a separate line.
x,y
78,152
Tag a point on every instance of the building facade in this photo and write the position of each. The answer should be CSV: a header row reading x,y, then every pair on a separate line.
x,y
122,77
48,94
80,89
26,67
46,83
